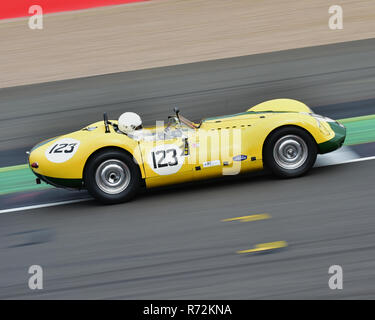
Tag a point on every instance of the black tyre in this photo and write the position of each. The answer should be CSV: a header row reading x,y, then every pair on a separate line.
x,y
289,152
112,176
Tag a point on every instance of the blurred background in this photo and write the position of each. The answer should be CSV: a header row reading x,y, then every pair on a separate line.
x,y
208,58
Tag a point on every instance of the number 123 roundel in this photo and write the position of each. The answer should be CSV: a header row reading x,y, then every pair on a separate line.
x,y
165,159
62,150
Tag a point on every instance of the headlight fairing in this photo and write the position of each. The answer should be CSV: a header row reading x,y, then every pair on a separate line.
x,y
321,125
323,122
321,118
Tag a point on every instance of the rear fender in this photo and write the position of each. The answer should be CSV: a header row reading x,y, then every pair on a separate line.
x,y
281,105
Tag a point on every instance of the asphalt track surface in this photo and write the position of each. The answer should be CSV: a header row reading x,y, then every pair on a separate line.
x,y
171,243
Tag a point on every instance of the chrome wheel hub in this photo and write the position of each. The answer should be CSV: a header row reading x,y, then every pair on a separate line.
x,y
290,152
112,176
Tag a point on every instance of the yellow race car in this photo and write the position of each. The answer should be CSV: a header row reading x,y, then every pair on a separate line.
x,y
113,159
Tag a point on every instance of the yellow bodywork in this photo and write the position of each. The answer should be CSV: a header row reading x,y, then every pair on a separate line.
x,y
220,146
281,105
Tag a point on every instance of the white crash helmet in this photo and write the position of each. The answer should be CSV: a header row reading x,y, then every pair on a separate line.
x,y
129,122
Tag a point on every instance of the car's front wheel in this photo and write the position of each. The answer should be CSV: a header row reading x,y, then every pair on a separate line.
x,y
289,152
112,176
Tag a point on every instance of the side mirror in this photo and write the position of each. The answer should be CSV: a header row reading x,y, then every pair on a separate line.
x,y
105,118
176,110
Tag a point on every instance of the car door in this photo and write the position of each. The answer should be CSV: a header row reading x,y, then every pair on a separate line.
x,y
166,161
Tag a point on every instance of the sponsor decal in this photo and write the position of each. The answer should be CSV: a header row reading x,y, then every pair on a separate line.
x,y
240,157
211,163
62,150
165,159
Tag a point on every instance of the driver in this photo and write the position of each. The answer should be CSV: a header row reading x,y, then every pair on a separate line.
x,y
130,123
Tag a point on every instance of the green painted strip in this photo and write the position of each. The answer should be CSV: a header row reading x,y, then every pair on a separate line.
x,y
12,168
355,119
359,132
17,179
25,188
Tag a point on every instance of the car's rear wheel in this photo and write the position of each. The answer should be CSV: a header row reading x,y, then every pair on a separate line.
x,y
289,152
112,176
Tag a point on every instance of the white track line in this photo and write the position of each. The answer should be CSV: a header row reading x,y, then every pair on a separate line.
x,y
53,204
37,206
358,160
339,156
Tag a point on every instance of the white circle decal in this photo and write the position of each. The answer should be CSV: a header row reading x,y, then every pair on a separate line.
x,y
62,150
166,159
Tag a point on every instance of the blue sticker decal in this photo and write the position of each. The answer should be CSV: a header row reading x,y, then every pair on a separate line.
x,y
240,157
